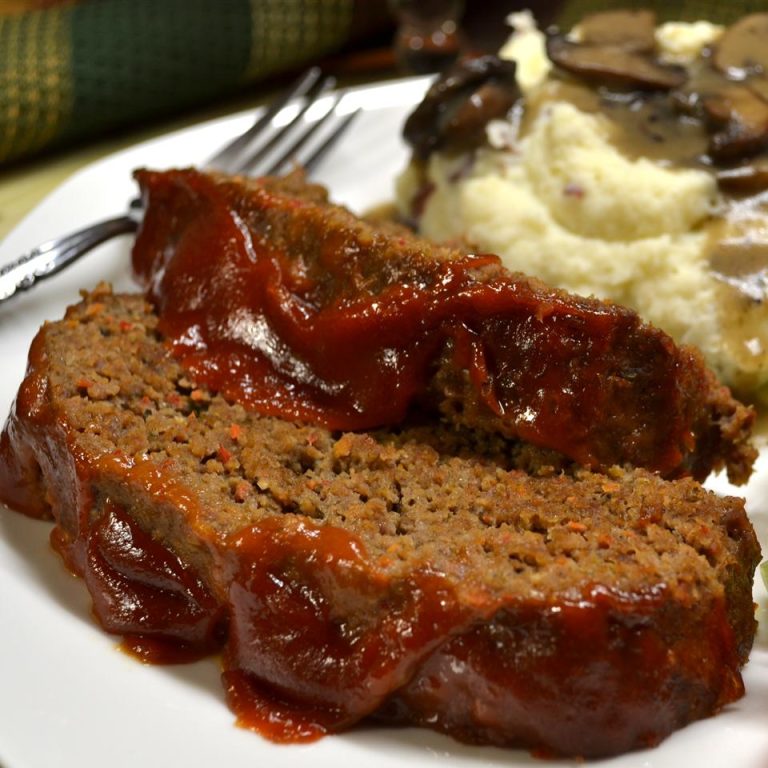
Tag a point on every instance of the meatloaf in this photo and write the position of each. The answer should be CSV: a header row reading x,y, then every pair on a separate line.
x,y
414,575
278,299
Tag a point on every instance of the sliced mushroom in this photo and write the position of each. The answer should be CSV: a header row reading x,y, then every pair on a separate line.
x,y
613,66
740,119
632,30
464,125
457,107
744,179
743,49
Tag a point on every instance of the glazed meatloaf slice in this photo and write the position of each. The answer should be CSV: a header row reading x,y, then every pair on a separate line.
x,y
413,575
296,307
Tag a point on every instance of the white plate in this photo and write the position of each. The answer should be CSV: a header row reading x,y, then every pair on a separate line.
x,y
69,698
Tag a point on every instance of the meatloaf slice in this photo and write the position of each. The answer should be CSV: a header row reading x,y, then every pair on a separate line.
x,y
413,576
301,310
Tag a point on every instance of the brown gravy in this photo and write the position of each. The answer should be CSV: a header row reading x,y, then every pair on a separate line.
x,y
672,129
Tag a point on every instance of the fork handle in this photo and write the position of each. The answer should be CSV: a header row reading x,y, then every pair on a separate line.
x,y
51,257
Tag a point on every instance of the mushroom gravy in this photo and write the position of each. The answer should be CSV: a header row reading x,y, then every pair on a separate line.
x,y
714,116
710,115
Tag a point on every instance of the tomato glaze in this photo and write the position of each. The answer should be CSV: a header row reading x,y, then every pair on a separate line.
x,y
298,310
317,634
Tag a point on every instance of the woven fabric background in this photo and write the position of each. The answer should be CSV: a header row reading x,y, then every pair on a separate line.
x,y
76,69
71,69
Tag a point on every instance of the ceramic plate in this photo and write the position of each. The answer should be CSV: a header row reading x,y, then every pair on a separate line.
x,y
69,697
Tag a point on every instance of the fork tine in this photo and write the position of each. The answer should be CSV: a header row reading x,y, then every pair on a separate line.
x,y
263,151
290,151
227,158
54,255
239,157
314,159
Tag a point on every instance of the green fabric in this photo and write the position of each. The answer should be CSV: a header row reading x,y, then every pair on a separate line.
x,y
78,69
35,81
74,71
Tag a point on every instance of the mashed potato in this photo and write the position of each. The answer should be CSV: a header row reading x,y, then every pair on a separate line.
x,y
562,202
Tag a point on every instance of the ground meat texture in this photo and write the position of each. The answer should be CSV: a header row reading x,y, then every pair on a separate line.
x,y
414,575
298,309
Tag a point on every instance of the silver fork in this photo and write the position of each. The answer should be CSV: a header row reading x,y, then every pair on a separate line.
x,y
280,146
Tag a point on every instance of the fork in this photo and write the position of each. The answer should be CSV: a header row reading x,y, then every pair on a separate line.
x,y
278,148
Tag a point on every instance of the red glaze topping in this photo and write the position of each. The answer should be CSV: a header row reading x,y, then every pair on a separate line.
x,y
144,592
303,659
320,636
140,589
311,650
293,310
628,693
